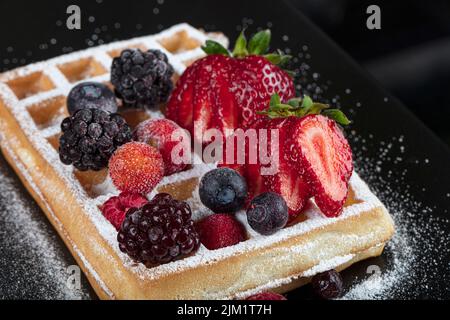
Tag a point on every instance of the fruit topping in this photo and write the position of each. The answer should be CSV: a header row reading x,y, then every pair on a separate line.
x,y
327,285
136,167
225,91
267,213
91,95
159,232
323,152
220,230
287,180
115,208
267,296
166,135
317,149
142,79
223,190
90,137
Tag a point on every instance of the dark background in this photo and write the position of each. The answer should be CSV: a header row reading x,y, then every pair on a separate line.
x,y
409,57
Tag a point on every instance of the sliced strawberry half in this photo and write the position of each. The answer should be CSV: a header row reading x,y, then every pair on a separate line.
x,y
318,146
287,181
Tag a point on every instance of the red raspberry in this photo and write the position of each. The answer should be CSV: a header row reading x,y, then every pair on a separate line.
x,y
219,231
267,296
136,167
166,135
116,207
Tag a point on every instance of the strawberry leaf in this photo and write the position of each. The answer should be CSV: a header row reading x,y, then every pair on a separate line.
x,y
300,107
278,58
213,47
317,108
275,100
337,115
307,103
259,43
240,48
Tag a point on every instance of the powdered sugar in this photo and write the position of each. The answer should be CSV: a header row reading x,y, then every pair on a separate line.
x,y
32,260
39,141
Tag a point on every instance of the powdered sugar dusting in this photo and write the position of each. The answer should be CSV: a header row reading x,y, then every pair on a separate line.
x,y
419,248
39,141
37,251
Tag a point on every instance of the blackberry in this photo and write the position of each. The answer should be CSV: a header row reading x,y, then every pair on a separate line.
x,y
91,95
223,190
90,137
158,232
328,284
142,79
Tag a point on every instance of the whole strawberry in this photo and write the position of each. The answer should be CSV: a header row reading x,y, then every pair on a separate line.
x,y
226,90
219,231
173,142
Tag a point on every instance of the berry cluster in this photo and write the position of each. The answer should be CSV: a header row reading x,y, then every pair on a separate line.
x,y
142,79
159,232
90,137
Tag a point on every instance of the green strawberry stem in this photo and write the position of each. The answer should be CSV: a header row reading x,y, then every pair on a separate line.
x,y
301,107
257,45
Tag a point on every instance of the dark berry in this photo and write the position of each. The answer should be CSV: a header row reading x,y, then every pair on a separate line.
x,y
223,190
267,213
158,232
91,95
142,79
90,137
328,284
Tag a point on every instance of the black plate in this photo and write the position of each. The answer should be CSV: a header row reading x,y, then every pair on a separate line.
x,y
405,164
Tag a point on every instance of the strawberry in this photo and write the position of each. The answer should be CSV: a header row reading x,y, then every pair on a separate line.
x,y
226,92
220,230
287,181
136,167
165,135
317,149
324,153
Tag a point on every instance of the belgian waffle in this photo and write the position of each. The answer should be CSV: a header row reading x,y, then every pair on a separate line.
x,y
32,105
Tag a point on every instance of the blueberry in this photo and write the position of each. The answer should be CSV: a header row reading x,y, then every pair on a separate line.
x,y
327,285
91,95
267,213
223,190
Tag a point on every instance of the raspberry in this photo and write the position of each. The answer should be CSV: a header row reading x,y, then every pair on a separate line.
x,y
116,207
90,137
328,284
159,232
220,230
267,296
136,167
142,79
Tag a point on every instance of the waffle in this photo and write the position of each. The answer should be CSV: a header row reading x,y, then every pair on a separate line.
x,y
32,105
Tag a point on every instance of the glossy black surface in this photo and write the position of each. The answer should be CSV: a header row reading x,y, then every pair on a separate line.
x,y
377,116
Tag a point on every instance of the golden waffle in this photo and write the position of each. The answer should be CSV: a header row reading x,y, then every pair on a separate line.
x,y
32,105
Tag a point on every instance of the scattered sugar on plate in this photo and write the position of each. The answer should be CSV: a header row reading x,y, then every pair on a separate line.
x,y
32,256
419,248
